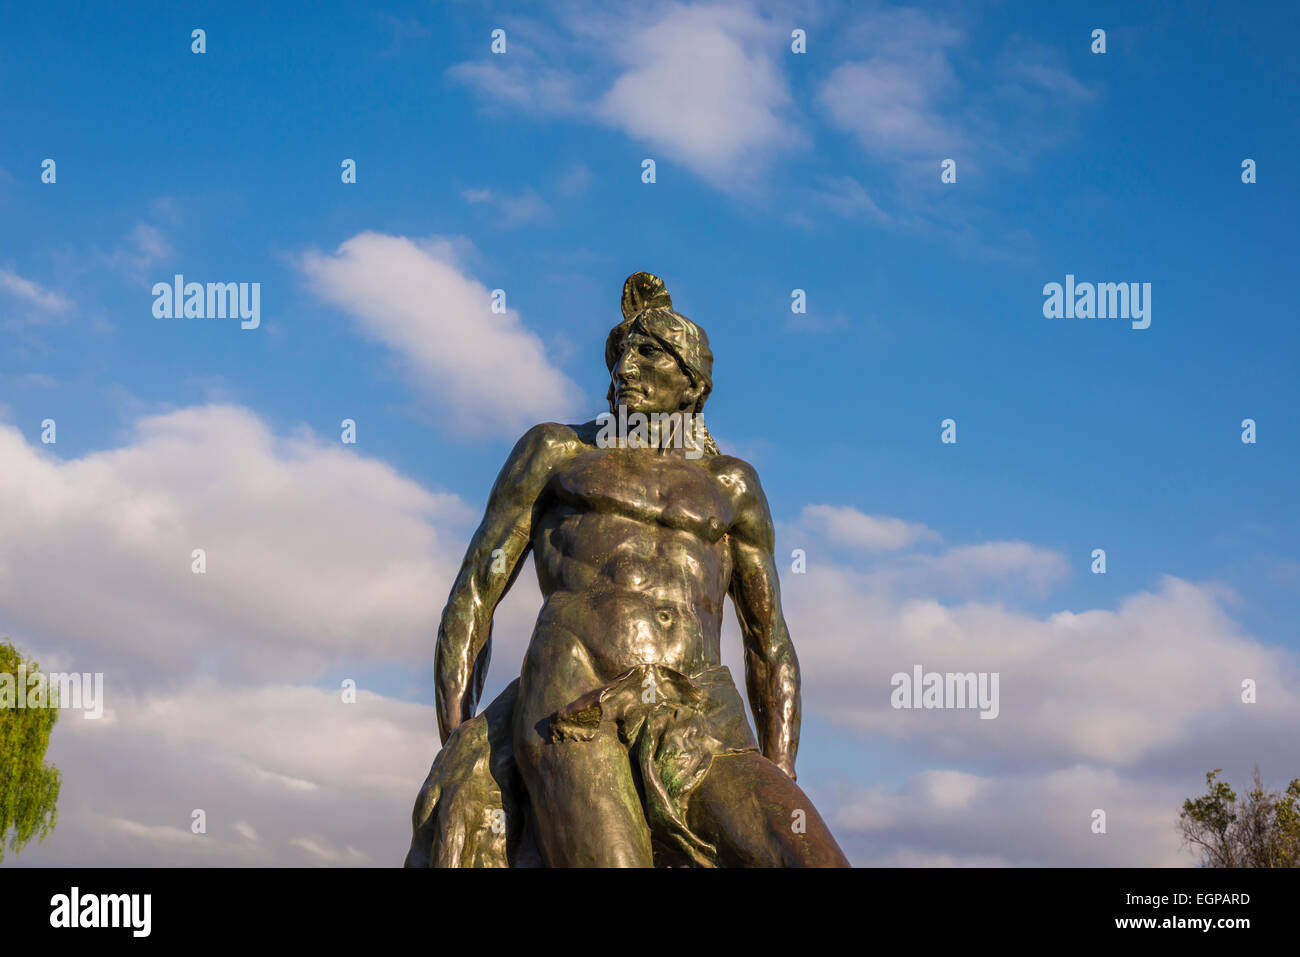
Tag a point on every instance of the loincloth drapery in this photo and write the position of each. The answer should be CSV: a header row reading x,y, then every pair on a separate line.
x,y
473,809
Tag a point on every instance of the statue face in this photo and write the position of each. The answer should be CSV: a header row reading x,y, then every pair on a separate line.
x,y
648,378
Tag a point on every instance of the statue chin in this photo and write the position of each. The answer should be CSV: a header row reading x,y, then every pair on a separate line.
x,y
639,405
634,403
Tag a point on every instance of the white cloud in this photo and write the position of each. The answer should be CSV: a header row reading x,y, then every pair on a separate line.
x,y
959,570
247,831
1111,687
33,292
314,553
845,525
488,370
964,567
157,835
701,84
317,558
130,786
1123,710
890,107
532,88
1021,819
895,101
325,853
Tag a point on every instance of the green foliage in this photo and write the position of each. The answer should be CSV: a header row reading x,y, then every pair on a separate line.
x,y
29,789
1260,829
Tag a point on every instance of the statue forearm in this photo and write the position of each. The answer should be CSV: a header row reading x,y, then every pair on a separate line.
x,y
771,667
773,682
461,659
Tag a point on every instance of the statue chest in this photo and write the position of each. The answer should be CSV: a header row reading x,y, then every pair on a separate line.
x,y
646,487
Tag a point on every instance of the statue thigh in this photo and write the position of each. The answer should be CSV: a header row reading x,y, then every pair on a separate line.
x,y
750,810
586,809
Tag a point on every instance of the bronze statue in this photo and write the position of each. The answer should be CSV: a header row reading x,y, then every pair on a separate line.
x,y
624,740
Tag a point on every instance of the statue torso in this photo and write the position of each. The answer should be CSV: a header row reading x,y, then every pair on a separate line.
x,y
633,561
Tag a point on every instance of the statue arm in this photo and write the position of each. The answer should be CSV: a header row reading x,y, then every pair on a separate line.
x,y
492,562
771,667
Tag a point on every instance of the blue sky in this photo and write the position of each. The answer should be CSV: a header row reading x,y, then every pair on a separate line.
x,y
775,171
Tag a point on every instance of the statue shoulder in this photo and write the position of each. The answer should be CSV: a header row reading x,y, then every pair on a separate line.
x,y
735,473
530,464
545,445
740,480
752,521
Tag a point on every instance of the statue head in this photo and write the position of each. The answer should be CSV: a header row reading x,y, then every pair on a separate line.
x,y
658,360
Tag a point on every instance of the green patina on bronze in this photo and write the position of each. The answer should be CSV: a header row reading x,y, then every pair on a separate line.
x,y
624,740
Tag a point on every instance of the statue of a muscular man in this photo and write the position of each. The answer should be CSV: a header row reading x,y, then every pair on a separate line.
x,y
624,741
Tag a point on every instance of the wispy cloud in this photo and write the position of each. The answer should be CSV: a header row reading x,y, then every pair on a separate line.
x,y
142,248
34,293
847,198
403,30
574,180
919,91
511,210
